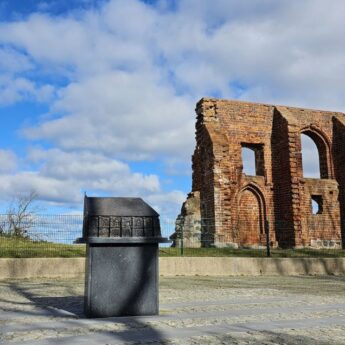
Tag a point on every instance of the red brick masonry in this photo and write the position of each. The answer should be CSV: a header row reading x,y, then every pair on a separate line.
x,y
235,206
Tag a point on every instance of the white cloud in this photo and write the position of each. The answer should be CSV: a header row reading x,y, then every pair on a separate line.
x,y
48,189
63,177
127,57
134,73
280,51
12,61
15,89
123,114
8,161
119,101
93,170
167,203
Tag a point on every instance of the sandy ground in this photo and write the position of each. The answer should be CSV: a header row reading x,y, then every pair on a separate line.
x,y
198,310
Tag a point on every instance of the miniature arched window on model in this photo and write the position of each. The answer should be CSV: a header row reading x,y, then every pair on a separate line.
x,y
253,159
314,155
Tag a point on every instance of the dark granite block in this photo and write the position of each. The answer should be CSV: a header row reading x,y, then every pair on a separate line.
x,y
121,280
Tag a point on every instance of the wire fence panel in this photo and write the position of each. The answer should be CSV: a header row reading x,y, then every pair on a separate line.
x,y
56,235
41,236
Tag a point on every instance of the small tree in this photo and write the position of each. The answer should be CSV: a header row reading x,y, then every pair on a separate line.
x,y
20,216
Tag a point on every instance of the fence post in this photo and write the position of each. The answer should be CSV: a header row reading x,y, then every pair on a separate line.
x,y
181,243
267,232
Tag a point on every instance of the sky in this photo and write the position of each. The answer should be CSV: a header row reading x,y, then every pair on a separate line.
x,y
98,96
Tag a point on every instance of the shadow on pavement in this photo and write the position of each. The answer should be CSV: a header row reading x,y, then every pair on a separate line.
x,y
274,338
135,330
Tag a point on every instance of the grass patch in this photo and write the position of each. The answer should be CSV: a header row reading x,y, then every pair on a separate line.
x,y
257,253
11,247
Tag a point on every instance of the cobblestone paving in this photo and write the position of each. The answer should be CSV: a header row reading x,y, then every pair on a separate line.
x,y
198,310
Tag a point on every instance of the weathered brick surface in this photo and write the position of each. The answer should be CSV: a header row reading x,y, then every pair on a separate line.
x,y
235,206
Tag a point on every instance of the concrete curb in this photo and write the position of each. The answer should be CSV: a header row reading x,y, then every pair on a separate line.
x,y
181,266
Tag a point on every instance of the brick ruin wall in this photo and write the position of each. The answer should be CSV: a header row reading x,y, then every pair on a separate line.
x,y
233,207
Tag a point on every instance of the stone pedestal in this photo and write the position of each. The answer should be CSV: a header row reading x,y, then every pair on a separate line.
x,y
121,279
121,276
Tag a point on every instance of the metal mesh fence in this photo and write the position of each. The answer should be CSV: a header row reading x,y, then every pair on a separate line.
x,y
56,235
40,236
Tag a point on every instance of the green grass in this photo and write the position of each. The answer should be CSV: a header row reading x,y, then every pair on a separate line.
x,y
11,247
275,253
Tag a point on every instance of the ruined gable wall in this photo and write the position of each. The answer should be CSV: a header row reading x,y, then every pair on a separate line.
x,y
228,126
309,228
246,124
280,191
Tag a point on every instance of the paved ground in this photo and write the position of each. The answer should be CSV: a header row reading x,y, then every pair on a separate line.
x,y
200,310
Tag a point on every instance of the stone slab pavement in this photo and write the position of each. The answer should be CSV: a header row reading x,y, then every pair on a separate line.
x,y
193,310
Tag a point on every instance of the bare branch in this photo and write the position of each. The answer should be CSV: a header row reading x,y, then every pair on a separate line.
x,y
21,214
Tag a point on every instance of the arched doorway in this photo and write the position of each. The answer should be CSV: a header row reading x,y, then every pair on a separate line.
x,y
251,216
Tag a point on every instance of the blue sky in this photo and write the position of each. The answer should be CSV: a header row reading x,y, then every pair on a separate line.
x,y
99,96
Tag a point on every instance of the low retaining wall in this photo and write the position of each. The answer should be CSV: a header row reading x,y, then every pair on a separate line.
x,y
179,266
41,267
223,266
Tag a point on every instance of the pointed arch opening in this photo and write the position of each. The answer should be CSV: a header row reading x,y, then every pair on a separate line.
x,y
252,215
310,157
316,160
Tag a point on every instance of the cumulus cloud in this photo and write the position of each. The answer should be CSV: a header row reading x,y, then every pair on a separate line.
x,y
47,189
14,85
63,177
13,89
8,161
86,171
120,113
133,72
279,52
12,61
164,203
139,70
